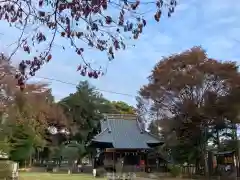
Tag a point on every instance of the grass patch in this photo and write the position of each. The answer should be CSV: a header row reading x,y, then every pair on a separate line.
x,y
50,176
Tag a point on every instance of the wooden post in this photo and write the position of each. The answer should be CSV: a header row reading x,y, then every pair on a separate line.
x,y
114,164
237,158
237,155
94,171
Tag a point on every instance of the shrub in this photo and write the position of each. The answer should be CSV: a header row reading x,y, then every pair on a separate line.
x,y
101,172
175,170
5,169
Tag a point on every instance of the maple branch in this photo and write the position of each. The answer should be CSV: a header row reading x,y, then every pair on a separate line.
x,y
103,32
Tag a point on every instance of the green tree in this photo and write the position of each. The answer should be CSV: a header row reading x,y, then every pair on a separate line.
x,y
26,125
120,107
86,107
33,110
28,119
82,107
72,151
24,142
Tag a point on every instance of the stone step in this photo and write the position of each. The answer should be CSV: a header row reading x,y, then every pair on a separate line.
x,y
121,176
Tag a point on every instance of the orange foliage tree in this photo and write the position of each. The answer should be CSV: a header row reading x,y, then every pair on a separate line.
x,y
37,101
33,108
7,83
192,93
37,97
26,115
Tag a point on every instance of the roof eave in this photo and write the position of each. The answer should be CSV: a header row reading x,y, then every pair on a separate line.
x,y
100,144
152,145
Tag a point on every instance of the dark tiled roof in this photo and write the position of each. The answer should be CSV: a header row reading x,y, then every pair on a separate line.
x,y
125,134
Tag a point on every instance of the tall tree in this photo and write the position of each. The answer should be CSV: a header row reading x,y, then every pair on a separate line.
x,y
27,123
83,108
7,83
189,88
28,119
86,107
25,116
8,89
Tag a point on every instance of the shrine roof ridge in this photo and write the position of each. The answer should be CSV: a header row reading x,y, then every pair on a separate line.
x,y
125,133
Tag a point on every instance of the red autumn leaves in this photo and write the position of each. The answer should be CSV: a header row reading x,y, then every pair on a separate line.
x,y
85,70
66,25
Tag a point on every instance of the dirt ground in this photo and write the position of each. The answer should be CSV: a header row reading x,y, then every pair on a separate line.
x,y
168,178
162,178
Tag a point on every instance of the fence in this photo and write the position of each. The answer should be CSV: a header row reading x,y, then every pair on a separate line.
x,y
188,170
169,170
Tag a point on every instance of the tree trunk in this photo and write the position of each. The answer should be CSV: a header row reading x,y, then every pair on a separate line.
x,y
218,139
206,170
30,160
234,127
204,152
70,168
197,165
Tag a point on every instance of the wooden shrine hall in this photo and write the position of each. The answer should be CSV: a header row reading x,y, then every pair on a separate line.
x,y
123,144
